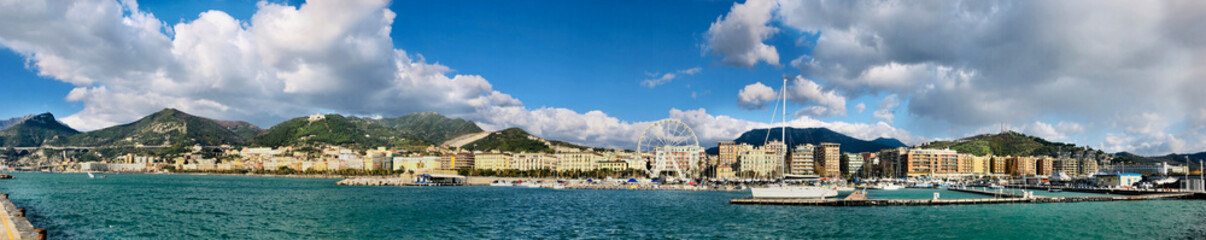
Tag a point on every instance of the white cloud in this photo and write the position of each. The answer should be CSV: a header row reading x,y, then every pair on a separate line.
x,y
292,61
804,91
755,96
976,64
860,107
886,109
666,78
738,36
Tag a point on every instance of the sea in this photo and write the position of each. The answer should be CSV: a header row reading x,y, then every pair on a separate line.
x,y
169,206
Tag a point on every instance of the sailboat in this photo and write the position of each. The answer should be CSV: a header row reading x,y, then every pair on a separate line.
x,y
90,175
790,191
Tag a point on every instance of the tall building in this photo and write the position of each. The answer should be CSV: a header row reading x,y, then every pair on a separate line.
x,y
688,158
1020,166
930,162
1066,165
1044,166
534,161
890,162
828,159
379,159
728,151
802,160
777,151
1088,166
852,164
998,164
760,162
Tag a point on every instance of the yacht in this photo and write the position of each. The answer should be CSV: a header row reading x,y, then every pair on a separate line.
x,y
890,187
793,192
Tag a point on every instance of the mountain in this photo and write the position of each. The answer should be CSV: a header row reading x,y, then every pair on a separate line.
x,y
890,142
430,126
166,127
33,130
516,140
334,129
244,130
1126,157
14,121
800,136
1006,143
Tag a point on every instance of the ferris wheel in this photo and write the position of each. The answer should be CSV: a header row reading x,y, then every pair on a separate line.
x,y
667,135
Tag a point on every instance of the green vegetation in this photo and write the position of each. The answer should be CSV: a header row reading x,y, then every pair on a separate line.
x,y
516,140
1008,143
167,127
509,140
32,131
335,129
244,130
431,127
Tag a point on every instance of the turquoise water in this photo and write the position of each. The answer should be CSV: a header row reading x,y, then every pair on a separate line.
x,y
71,206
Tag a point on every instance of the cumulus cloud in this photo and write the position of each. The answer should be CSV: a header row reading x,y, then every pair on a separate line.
x,y
739,36
819,102
886,109
755,96
804,91
666,78
860,107
974,64
290,61
286,61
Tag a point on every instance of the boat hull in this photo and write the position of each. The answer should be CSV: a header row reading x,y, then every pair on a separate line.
x,y
793,192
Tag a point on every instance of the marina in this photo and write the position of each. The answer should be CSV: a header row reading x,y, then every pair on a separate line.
x,y
1000,197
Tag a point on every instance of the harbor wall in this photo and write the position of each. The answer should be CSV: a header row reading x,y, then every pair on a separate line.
x,y
16,226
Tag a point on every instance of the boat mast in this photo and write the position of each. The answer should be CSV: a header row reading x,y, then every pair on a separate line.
x,y
783,131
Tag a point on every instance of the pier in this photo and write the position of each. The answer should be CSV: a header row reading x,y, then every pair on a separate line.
x,y
999,198
15,226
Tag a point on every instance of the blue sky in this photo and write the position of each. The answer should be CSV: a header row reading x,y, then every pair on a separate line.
x,y
573,70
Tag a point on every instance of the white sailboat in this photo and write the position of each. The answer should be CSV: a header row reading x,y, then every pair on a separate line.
x,y
90,175
790,191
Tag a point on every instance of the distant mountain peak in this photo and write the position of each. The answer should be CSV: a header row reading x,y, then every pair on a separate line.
x,y
33,130
800,136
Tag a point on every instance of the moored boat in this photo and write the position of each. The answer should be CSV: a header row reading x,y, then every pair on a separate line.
x,y
793,192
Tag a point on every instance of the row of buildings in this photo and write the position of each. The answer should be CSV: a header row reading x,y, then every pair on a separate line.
x,y
741,160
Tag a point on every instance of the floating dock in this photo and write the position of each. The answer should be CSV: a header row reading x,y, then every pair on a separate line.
x,y
999,198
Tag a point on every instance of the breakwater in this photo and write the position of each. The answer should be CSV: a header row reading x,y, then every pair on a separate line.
x,y
16,226
999,198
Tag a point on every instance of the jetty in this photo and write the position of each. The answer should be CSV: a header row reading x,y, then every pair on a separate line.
x,y
998,198
15,225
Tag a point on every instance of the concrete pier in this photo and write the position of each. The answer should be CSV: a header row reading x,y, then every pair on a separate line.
x,y
15,226
930,202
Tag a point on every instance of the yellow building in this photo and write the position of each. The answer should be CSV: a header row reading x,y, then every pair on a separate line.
x,y
492,161
580,161
614,166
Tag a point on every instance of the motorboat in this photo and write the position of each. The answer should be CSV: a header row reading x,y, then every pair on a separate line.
x,y
558,186
890,187
793,192
90,175
995,186
1055,190
501,183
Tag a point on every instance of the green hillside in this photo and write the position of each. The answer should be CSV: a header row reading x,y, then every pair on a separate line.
x,y
334,129
166,127
32,131
244,130
1007,143
515,140
430,126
